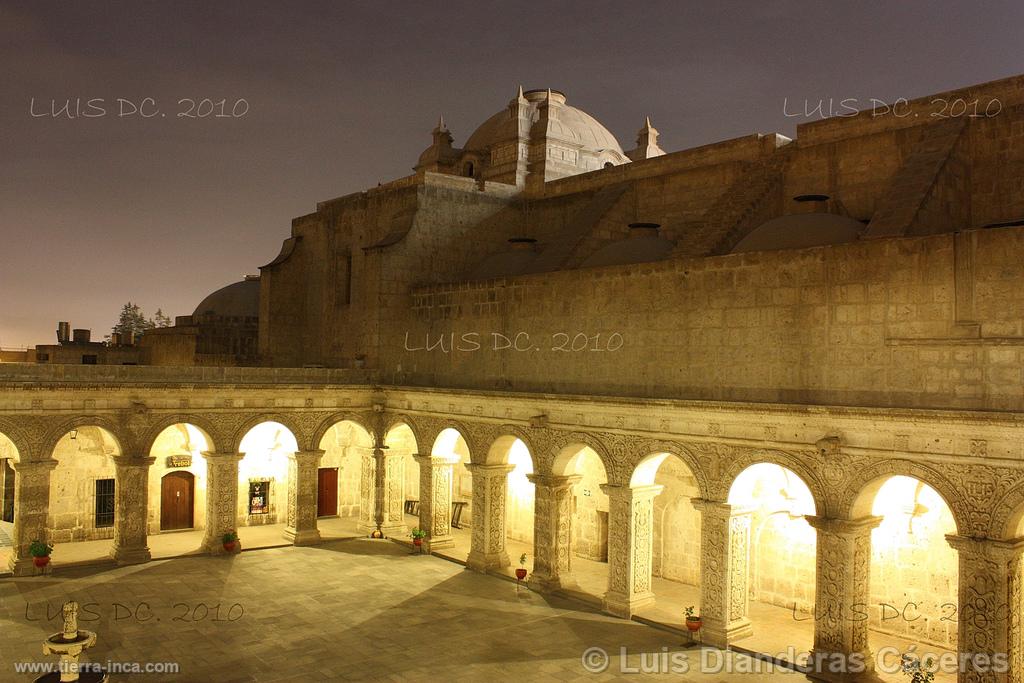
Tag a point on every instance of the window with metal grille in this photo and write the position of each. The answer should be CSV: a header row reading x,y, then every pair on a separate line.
x,y
104,503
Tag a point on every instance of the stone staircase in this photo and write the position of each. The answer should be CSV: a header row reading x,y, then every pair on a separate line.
x,y
560,249
736,212
912,183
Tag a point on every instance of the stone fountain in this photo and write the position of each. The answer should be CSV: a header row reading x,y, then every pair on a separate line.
x,y
69,644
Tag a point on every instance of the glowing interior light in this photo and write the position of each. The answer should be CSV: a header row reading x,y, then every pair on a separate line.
x,y
446,444
266,447
909,508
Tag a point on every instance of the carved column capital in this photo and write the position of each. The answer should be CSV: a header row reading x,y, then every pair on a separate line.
x,y
630,494
844,527
555,482
489,471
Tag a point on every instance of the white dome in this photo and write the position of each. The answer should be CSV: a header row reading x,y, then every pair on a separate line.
x,y
568,123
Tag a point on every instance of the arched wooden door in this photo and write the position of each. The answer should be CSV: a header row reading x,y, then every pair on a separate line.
x,y
176,492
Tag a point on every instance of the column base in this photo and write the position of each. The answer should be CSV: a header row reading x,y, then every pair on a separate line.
x,y
621,605
723,637
26,566
439,543
125,555
547,584
479,562
820,665
307,537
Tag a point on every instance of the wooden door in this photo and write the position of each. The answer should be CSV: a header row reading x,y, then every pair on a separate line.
x,y
176,492
327,492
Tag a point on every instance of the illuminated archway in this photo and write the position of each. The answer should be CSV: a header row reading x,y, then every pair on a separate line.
x,y
83,491
914,575
8,487
177,478
781,569
588,545
263,474
345,445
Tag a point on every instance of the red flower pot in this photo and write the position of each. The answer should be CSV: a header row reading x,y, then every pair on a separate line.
x,y
694,624
41,561
230,547
521,573
417,541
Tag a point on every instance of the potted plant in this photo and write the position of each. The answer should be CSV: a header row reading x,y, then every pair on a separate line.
x,y
40,552
693,621
521,569
916,670
417,537
230,540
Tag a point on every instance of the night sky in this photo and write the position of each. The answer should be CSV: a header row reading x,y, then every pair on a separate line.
x,y
99,210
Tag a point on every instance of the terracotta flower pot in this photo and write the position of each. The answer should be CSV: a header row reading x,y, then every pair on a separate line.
x,y
694,624
417,541
230,547
41,561
521,573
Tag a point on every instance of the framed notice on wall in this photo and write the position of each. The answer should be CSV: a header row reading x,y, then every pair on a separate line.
x,y
259,497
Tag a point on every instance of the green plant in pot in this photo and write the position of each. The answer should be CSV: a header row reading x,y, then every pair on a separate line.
x,y
916,670
417,536
521,569
40,552
693,621
230,541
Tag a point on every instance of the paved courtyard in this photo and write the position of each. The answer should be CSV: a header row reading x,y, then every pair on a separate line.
x,y
346,610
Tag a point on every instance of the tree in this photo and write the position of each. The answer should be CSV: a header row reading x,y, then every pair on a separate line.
x,y
161,320
132,320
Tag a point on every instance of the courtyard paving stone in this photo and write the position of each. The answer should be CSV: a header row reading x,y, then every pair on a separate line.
x,y
344,610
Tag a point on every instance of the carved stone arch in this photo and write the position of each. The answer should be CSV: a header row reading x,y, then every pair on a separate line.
x,y
856,489
562,440
398,419
535,440
363,419
301,435
648,447
126,445
20,439
213,433
801,464
470,433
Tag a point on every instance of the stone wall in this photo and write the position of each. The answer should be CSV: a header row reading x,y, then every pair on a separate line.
x,y
590,528
344,446
871,323
80,462
676,553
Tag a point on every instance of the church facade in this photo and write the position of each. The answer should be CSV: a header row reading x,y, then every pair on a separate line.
x,y
781,374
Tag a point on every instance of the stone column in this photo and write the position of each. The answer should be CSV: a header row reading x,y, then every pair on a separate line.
x,y
381,505
300,527
221,499
487,543
552,531
724,571
630,547
31,507
131,509
436,500
843,572
988,614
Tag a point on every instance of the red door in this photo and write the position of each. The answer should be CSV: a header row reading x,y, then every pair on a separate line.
x,y
176,490
327,492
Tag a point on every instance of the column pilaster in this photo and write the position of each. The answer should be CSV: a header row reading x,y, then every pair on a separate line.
x,y
300,527
131,509
988,621
843,572
552,531
724,572
630,547
383,497
221,499
31,508
490,486
436,500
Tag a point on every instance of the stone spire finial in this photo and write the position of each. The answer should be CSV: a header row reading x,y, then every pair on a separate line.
x,y
646,142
